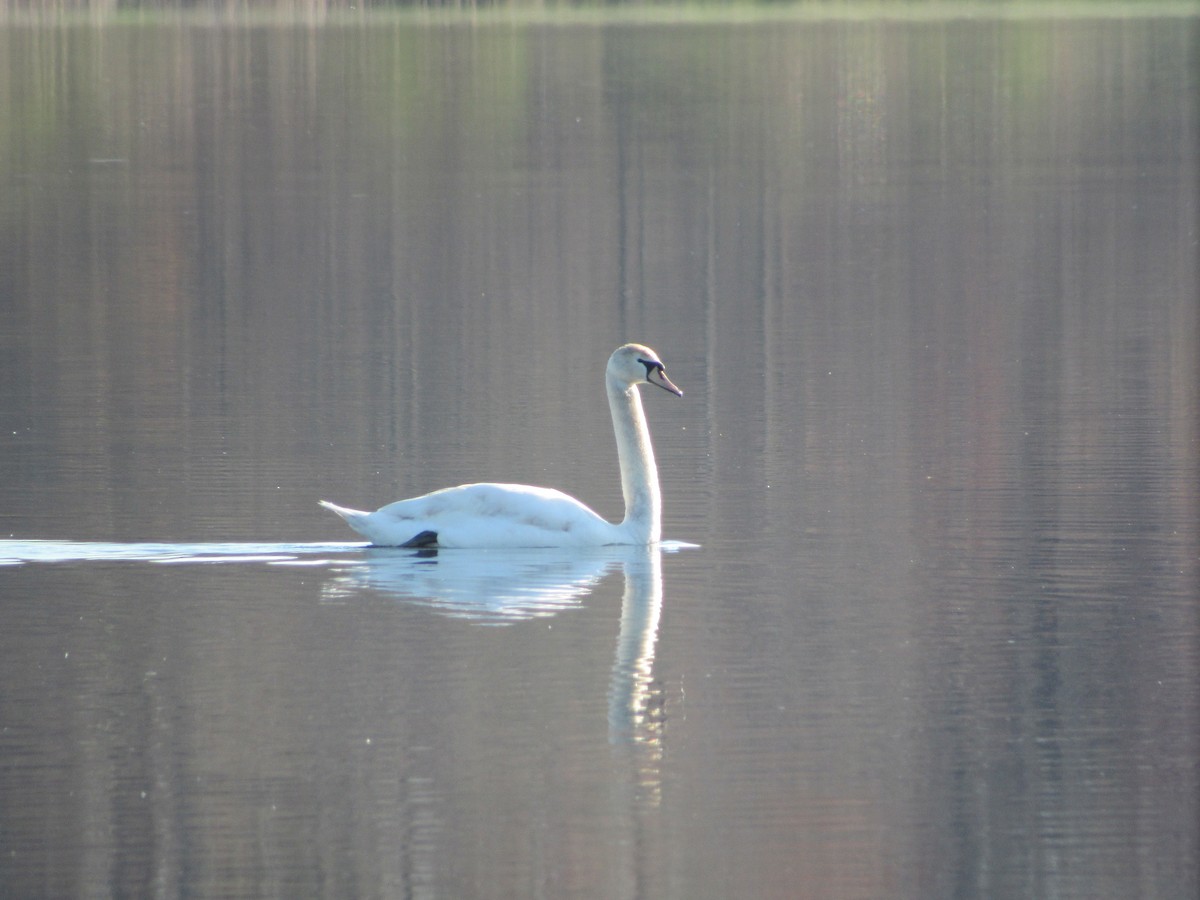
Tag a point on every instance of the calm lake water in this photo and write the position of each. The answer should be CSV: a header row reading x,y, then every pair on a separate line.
x,y
930,288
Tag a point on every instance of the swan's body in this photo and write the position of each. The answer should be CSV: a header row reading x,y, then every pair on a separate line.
x,y
519,515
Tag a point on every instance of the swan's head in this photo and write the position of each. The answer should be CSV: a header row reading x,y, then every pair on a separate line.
x,y
636,364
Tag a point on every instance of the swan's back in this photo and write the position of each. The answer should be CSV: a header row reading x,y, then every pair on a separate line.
x,y
485,515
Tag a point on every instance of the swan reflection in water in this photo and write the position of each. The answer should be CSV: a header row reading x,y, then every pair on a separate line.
x,y
506,586
493,587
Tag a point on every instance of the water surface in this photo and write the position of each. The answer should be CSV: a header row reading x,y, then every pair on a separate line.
x,y
930,290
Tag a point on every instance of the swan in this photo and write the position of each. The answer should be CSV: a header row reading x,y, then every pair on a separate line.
x,y
519,515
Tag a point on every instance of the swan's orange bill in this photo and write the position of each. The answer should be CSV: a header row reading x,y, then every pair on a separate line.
x,y
659,377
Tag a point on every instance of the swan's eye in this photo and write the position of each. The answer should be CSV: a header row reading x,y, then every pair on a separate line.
x,y
652,366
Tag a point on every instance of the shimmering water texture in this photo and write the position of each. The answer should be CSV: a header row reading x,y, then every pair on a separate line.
x,y
20,552
495,587
928,281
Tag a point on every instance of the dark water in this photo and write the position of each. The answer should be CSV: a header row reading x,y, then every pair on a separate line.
x,y
931,291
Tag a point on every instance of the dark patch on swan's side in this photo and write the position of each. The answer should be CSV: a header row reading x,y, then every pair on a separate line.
x,y
424,539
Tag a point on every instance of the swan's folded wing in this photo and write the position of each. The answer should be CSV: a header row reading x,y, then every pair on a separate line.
x,y
493,515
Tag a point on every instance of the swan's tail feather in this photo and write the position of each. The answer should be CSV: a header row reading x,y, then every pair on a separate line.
x,y
378,534
355,518
350,515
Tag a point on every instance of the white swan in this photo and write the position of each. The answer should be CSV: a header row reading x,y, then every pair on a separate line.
x,y
519,515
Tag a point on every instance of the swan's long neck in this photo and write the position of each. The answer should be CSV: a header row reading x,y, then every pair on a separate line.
x,y
639,474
